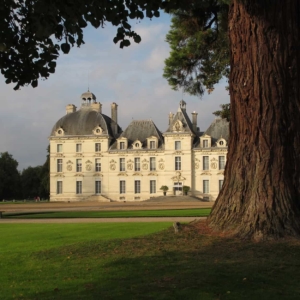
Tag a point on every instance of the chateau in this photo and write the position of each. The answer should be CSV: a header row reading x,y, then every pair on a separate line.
x,y
91,158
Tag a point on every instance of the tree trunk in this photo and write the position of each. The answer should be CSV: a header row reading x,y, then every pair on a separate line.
x,y
260,197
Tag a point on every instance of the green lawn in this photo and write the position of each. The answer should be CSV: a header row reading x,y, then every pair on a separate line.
x,y
142,261
203,212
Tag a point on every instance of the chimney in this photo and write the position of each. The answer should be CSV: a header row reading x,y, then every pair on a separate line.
x,y
97,106
114,116
171,116
194,117
70,108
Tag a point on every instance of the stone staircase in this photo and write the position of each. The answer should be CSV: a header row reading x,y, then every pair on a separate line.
x,y
97,198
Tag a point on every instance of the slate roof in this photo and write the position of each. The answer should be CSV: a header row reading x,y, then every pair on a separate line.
x,y
140,130
83,122
217,129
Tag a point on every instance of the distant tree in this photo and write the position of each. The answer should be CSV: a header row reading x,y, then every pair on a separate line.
x,y
45,177
10,183
31,182
224,113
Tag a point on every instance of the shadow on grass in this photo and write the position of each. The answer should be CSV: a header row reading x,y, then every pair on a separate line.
x,y
171,266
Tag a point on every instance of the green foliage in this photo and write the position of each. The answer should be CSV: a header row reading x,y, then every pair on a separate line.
x,y
224,113
34,32
198,39
10,184
164,188
36,180
186,189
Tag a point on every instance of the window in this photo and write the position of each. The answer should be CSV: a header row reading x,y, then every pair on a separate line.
x,y
98,165
78,165
122,145
221,143
97,147
177,187
137,186
122,186
220,184
205,143
78,187
152,186
122,164
59,147
97,187
205,186
137,145
177,145
137,164
59,187
152,164
59,165
177,163
78,147
205,163
221,162
152,144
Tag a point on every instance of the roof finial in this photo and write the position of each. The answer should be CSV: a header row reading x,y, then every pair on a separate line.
x,y
88,82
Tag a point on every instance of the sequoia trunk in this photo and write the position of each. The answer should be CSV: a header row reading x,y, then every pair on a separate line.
x,y
260,197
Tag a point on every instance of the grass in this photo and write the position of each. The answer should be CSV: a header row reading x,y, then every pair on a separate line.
x,y
203,212
139,261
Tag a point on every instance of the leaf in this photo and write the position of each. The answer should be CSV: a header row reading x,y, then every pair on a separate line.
x,y
65,47
34,83
137,38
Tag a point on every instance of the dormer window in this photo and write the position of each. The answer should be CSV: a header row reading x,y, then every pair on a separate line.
x,y
98,130
59,131
205,143
152,145
122,145
221,142
137,144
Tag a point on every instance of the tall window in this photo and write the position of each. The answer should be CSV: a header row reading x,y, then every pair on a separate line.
x,y
78,147
59,147
137,186
220,184
97,187
152,186
78,165
152,144
78,187
205,143
221,162
122,164
205,186
59,187
152,164
59,165
177,163
122,187
137,164
205,163
97,147
177,145
97,164
122,145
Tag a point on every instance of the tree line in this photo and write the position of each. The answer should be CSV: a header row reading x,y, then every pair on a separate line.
x,y
32,182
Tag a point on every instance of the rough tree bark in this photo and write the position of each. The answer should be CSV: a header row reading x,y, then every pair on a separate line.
x,y
260,197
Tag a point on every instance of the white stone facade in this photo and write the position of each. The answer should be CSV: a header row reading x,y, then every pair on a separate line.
x,y
92,159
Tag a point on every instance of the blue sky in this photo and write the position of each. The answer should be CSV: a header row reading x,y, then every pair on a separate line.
x,y
131,77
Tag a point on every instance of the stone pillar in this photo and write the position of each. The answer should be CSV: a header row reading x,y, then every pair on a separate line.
x,y
194,118
114,116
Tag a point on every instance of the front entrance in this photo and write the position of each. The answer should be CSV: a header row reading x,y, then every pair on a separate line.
x,y
177,188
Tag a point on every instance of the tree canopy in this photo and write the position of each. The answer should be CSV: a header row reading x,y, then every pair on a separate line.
x,y
198,39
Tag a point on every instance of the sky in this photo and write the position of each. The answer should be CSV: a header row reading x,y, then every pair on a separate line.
x,y
131,77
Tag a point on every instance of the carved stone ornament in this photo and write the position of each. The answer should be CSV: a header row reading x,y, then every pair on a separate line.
x,y
69,162
178,177
145,166
161,166
88,167
196,165
69,168
213,165
129,166
137,174
112,167
177,126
